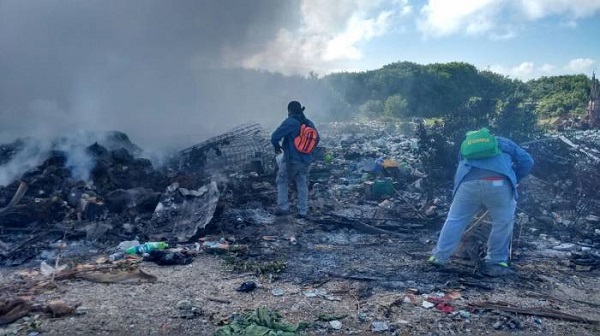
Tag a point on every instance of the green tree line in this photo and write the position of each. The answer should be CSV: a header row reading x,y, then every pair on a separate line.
x,y
406,89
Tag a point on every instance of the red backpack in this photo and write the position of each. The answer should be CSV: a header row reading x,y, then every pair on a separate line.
x,y
306,141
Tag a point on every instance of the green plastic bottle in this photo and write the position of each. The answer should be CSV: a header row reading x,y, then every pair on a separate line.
x,y
146,247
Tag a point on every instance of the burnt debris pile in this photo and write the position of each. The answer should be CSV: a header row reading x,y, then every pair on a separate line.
x,y
369,177
564,192
99,187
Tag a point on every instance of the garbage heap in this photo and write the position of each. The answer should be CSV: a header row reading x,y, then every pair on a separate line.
x,y
366,175
96,187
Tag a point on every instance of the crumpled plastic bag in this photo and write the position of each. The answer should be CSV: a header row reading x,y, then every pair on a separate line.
x,y
279,159
48,270
163,258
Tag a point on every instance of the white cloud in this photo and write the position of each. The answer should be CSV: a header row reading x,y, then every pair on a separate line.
x,y
529,70
332,32
547,69
537,9
497,18
524,70
344,46
580,65
446,17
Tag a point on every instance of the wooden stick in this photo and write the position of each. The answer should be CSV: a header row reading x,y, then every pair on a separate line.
x,y
16,198
409,204
541,312
210,298
359,226
477,222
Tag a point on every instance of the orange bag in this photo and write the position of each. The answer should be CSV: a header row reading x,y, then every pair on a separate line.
x,y
306,141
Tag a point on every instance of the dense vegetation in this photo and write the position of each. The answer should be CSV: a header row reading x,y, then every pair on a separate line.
x,y
456,91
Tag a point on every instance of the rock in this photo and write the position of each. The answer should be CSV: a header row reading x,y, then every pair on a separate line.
x,y
277,292
337,325
184,305
247,286
379,326
464,314
81,311
59,308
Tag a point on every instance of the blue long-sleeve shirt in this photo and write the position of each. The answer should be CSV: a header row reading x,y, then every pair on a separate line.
x,y
287,131
514,163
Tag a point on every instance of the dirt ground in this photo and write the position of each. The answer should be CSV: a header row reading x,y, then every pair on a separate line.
x,y
361,278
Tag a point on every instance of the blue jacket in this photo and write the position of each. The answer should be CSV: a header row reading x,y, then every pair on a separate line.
x,y
287,131
514,163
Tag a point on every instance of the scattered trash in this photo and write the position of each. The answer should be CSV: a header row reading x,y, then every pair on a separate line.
x,y
163,258
427,304
124,245
116,256
187,310
146,247
48,270
216,246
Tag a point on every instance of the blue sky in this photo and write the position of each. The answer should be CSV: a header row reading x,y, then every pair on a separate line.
x,y
522,39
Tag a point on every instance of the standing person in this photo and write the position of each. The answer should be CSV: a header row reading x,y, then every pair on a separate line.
x,y
485,180
296,159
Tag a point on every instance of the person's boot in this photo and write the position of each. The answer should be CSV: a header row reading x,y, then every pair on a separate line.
x,y
497,270
280,212
436,262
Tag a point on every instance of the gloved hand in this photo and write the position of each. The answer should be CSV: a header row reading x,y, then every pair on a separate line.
x,y
277,150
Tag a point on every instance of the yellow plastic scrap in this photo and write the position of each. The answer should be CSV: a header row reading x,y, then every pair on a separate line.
x,y
388,163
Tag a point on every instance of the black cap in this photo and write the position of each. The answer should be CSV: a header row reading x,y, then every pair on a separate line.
x,y
294,107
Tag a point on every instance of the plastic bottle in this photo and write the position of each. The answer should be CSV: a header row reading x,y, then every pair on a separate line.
x,y
146,247
116,256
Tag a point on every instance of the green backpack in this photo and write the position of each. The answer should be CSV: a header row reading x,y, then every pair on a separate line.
x,y
479,144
